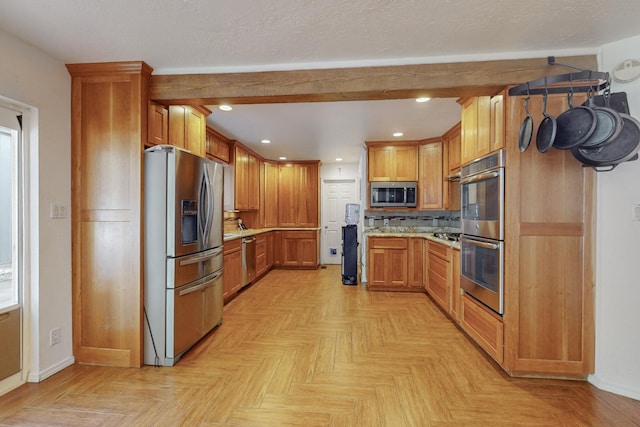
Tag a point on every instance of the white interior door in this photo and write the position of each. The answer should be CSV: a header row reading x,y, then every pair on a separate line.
x,y
335,196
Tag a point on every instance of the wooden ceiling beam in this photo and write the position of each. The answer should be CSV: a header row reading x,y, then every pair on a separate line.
x,y
363,83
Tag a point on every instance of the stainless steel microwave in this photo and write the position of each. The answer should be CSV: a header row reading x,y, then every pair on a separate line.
x,y
393,194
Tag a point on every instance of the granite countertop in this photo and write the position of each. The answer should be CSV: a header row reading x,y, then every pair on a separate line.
x,y
253,231
411,232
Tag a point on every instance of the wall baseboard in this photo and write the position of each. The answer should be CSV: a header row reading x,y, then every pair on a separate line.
x,y
622,390
36,377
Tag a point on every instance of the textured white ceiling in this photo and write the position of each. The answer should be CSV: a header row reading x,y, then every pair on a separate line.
x,y
185,36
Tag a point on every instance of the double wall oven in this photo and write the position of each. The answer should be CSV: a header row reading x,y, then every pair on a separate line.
x,y
482,223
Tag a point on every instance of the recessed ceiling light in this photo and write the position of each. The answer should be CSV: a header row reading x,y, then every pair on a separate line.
x,y
338,159
266,141
225,107
423,99
282,158
398,134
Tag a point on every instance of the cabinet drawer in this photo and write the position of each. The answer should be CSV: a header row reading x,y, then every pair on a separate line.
x,y
438,266
438,249
303,234
388,243
484,326
232,246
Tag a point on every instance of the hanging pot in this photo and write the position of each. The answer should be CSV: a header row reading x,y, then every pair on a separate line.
x,y
608,125
526,129
575,126
624,148
547,130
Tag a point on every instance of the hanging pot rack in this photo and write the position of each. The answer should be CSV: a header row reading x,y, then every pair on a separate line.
x,y
581,81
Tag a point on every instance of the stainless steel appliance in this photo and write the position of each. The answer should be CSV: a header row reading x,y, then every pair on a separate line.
x,y
482,223
183,252
393,194
248,260
482,196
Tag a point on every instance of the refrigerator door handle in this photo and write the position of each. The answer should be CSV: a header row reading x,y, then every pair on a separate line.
x,y
201,257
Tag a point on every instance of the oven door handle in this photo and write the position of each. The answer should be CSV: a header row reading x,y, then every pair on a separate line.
x,y
481,244
479,177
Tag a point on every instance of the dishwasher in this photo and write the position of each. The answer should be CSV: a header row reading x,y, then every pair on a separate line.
x,y
248,260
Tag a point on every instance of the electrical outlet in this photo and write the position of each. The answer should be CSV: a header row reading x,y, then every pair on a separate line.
x,y
54,336
385,221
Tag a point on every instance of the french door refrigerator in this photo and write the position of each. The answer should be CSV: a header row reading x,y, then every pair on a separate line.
x,y
182,252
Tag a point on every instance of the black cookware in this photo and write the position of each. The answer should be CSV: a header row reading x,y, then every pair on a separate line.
x,y
575,126
623,148
608,124
526,129
547,130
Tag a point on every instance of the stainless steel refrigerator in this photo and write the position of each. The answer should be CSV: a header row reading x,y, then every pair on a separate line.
x,y
183,256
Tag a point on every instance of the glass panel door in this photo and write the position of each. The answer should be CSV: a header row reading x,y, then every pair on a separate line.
x,y
9,290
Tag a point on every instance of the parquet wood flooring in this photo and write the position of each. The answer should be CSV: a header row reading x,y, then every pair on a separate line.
x,y
298,348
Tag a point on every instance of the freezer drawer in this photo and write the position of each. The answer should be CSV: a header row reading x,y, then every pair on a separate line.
x,y
192,311
189,268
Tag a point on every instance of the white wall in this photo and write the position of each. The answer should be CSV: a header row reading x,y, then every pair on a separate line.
x,y
618,254
30,76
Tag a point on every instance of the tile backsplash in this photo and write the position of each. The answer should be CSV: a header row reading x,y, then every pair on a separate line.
x,y
377,218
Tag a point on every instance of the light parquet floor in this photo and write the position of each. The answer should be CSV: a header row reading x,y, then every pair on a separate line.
x,y
301,349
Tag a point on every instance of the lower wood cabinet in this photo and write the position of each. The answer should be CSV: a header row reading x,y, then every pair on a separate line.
x,y
454,306
263,259
484,326
389,260
438,283
300,249
232,273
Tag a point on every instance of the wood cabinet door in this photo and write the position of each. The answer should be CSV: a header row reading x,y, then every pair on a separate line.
x,y
396,267
469,130
253,183
308,253
376,273
437,280
306,190
406,163
216,146
497,123
270,194
276,244
177,122
483,143
430,183
195,131
158,124
261,254
380,163
232,277
454,146
241,176
416,262
287,197
290,251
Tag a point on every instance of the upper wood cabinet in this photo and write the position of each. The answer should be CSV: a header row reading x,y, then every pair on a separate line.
x,y
247,179
109,104
298,185
497,131
157,124
482,126
217,146
453,140
396,162
430,182
269,194
187,128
